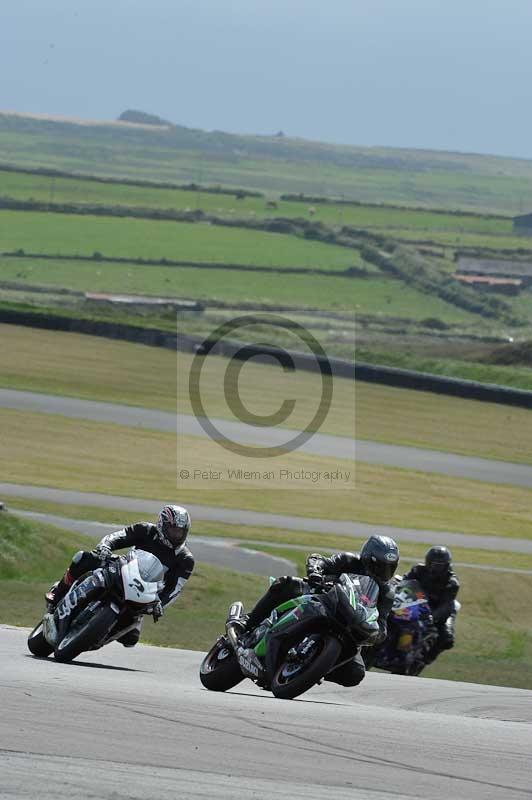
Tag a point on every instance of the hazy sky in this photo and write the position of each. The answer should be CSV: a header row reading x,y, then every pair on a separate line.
x,y
446,74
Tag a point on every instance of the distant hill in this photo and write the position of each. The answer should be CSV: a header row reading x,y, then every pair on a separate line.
x,y
155,149
142,118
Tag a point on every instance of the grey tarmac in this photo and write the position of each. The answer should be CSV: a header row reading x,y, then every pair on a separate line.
x,y
360,450
137,724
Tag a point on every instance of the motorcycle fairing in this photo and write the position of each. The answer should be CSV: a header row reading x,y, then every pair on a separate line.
x,y
136,589
410,603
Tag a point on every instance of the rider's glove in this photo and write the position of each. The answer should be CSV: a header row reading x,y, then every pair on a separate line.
x,y
315,579
158,611
314,563
103,551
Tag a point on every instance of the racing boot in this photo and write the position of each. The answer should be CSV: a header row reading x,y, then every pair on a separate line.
x,y
57,591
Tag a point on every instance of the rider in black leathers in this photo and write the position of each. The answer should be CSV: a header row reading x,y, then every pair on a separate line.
x,y
166,540
378,558
441,586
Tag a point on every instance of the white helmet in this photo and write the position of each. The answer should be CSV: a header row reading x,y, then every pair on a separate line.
x,y
173,525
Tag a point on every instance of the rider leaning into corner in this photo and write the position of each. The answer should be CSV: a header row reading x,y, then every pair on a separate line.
x,y
441,586
166,540
378,558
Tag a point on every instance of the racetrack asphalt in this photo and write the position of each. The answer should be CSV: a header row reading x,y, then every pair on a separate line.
x,y
413,458
137,724
235,516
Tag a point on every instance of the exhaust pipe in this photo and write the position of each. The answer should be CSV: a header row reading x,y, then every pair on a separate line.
x,y
235,613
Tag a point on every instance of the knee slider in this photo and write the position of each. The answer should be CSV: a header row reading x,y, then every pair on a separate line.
x,y
82,562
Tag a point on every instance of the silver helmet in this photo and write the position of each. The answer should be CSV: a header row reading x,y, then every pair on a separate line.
x,y
173,525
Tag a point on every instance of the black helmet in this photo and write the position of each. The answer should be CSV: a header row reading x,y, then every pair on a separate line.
x,y
438,560
380,557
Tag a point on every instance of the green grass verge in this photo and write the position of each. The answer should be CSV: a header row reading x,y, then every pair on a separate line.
x,y
494,641
277,541
35,551
70,234
94,368
519,377
375,295
493,646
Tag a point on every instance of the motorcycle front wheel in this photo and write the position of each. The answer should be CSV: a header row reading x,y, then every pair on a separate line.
x,y
219,670
84,635
292,678
37,644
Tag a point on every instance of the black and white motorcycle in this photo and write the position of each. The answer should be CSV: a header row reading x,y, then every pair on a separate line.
x,y
100,607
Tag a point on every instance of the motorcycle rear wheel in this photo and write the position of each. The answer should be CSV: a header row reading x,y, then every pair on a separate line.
x,y
416,668
286,687
83,637
219,670
37,644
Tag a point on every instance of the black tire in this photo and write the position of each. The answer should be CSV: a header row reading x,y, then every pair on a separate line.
x,y
416,668
37,644
287,687
219,670
80,638
402,670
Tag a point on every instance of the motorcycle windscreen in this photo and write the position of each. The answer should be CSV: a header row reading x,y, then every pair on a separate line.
x,y
357,602
150,568
365,588
136,588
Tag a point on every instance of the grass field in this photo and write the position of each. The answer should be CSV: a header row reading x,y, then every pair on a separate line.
x,y
394,309
522,305
374,174
100,369
458,239
71,234
46,450
376,295
74,190
493,645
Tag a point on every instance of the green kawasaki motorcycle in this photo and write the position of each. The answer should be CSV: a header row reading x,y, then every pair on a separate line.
x,y
299,643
